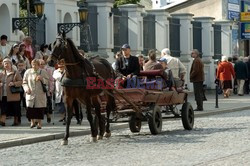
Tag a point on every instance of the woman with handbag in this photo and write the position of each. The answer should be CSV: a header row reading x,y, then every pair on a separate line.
x,y
35,81
10,88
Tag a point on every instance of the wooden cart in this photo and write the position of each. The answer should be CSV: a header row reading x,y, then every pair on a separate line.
x,y
141,104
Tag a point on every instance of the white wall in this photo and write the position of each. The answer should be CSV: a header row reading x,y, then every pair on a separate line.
x,y
211,8
61,11
8,10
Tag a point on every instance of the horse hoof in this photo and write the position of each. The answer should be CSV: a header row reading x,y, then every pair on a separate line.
x,y
93,139
107,135
64,142
99,137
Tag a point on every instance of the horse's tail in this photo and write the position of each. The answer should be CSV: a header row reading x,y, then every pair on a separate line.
x,y
111,103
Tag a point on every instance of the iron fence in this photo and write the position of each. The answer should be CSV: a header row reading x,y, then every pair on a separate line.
x,y
120,28
174,36
148,33
217,41
197,36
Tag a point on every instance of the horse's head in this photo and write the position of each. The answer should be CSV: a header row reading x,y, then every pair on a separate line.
x,y
58,49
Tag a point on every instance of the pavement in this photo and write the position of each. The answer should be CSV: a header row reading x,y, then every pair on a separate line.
x,y
21,135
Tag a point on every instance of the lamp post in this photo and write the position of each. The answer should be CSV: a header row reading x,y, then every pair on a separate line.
x,y
85,32
20,23
83,15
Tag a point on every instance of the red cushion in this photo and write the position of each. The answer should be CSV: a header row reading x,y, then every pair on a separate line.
x,y
151,73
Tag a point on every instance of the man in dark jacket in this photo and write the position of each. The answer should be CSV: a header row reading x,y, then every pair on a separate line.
x,y
127,66
241,73
197,78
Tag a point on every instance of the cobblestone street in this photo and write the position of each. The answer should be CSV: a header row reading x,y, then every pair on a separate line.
x,y
216,140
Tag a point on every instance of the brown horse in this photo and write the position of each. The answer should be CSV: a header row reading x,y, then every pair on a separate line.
x,y
78,69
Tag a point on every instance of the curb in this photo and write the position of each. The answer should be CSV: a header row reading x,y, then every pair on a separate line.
x,y
32,140
222,111
51,137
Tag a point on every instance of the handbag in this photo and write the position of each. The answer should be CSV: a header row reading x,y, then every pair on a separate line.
x,y
43,85
15,89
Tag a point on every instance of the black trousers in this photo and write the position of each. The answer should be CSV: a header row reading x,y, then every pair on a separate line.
x,y
246,87
78,111
199,94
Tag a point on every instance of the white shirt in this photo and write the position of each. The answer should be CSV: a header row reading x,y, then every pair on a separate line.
x,y
57,75
176,66
4,50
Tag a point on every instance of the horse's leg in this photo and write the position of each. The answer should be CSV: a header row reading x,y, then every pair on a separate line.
x,y
69,102
77,111
92,122
101,119
110,107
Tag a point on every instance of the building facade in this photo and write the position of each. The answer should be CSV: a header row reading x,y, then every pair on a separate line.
x,y
180,27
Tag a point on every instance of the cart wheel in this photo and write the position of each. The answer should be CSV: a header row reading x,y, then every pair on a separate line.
x,y
134,123
187,116
155,120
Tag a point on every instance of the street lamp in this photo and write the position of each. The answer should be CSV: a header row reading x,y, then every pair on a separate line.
x,y
20,23
39,8
83,15
85,33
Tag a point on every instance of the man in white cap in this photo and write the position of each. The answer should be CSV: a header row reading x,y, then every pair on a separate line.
x,y
177,68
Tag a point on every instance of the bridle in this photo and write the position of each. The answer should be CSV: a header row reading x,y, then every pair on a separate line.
x,y
63,45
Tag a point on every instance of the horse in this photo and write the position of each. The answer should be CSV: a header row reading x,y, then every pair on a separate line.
x,y
78,70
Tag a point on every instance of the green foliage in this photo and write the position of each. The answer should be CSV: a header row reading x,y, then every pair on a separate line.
x,y
23,13
121,2
23,5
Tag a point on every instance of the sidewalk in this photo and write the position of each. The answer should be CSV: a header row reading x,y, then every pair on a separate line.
x,y
21,135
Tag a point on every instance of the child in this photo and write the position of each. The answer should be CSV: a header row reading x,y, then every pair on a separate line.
x,y
21,67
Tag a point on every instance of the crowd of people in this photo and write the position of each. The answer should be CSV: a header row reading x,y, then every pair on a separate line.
x,y
233,74
27,81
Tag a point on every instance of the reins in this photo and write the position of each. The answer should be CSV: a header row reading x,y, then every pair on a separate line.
x,y
71,64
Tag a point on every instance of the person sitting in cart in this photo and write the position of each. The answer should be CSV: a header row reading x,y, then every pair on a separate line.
x,y
152,63
178,69
127,66
167,74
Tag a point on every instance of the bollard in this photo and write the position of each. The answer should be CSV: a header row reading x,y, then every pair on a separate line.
x,y
216,96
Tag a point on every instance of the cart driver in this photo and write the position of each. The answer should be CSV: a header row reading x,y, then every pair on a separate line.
x,y
127,66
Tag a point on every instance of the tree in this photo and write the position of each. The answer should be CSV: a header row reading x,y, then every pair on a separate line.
x,y
121,2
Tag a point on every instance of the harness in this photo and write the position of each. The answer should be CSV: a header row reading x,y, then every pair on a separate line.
x,y
78,83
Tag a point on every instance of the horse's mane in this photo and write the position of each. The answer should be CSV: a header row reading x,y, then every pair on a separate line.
x,y
82,58
74,50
